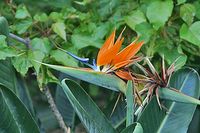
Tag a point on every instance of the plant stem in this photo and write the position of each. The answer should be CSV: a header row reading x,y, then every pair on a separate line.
x,y
24,41
55,110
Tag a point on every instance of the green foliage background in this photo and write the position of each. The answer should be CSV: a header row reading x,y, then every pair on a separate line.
x,y
169,28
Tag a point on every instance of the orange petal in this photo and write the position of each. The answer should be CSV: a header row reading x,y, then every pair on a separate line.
x,y
128,52
124,75
107,53
107,45
121,64
110,54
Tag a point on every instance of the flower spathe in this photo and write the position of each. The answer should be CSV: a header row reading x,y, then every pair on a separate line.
x,y
111,59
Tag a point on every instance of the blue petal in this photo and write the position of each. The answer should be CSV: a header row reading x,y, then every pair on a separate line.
x,y
83,60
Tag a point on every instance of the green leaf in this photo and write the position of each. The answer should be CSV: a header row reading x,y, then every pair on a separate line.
x,y
188,35
175,55
81,41
194,125
158,12
42,45
41,17
134,128
135,17
63,104
180,1
59,28
22,26
83,105
4,28
144,31
22,12
98,78
7,52
187,13
119,115
36,55
5,78
15,83
179,115
130,104
3,42
63,58
21,64
14,115
174,95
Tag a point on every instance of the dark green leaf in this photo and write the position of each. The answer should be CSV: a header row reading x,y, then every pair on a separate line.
x,y
83,105
4,28
14,115
130,104
63,105
134,128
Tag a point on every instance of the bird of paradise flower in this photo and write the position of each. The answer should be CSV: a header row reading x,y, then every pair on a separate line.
x,y
110,59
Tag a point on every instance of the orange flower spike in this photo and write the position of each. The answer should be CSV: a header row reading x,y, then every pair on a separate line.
x,y
106,46
109,50
128,52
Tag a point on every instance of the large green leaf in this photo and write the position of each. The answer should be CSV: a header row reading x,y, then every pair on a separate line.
x,y
134,128
130,104
63,104
173,95
15,118
158,12
15,83
175,116
98,78
88,112
187,34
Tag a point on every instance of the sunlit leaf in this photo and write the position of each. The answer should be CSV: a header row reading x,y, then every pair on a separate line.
x,y
59,28
158,12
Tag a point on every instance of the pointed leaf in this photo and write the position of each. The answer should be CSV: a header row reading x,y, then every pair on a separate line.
x,y
134,128
169,94
59,28
130,104
98,78
88,112
63,104
15,118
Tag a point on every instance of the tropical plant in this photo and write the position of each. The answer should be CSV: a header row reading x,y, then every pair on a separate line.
x,y
47,58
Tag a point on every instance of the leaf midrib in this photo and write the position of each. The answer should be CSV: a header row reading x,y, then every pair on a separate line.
x,y
173,104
